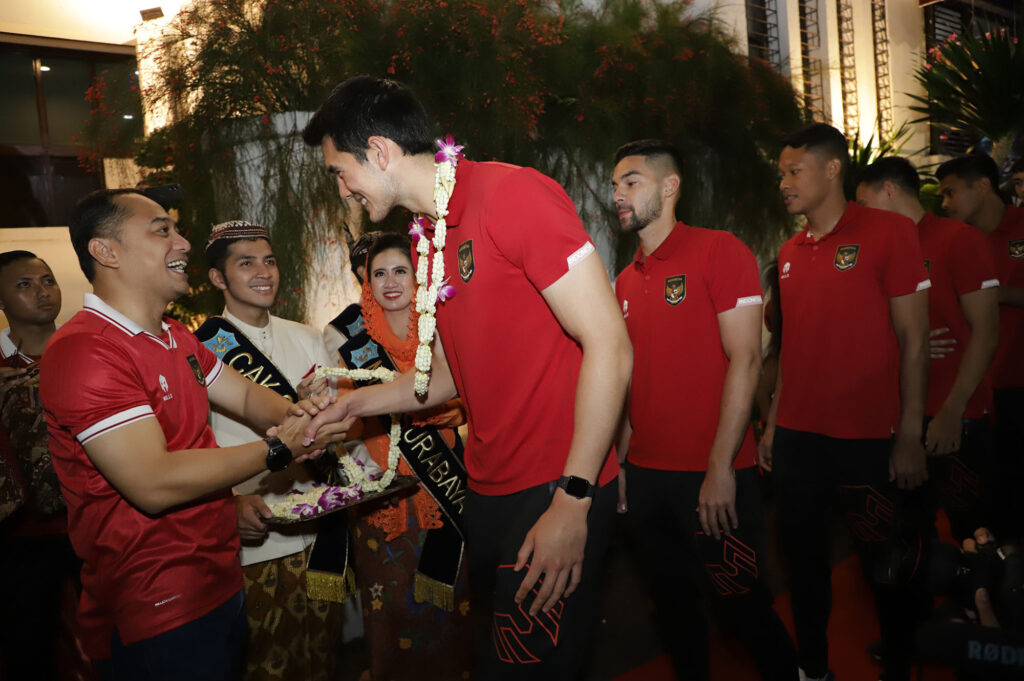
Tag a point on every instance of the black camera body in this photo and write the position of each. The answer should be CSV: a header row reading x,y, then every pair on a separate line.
x,y
959,574
954,637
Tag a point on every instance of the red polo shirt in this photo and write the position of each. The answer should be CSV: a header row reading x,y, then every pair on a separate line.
x,y
959,262
144,574
840,356
512,232
1007,244
671,300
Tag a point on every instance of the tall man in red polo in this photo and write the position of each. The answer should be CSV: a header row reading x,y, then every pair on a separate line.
x,y
127,393
963,304
969,186
846,419
534,344
692,303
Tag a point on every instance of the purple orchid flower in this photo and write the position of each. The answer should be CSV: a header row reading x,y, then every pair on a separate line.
x,y
337,496
449,151
306,510
416,228
446,291
332,498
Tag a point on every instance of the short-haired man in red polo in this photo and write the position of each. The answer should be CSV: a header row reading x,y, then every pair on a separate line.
x,y
530,336
36,558
969,186
1017,177
127,393
963,304
692,303
845,426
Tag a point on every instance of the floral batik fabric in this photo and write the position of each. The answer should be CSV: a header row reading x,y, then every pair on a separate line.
x,y
291,636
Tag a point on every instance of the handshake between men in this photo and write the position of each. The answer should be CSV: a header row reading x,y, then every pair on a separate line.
x,y
310,414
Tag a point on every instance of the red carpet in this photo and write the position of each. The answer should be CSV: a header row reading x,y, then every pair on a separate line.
x,y
852,627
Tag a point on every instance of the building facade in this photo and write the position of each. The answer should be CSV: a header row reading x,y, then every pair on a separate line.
x,y
853,61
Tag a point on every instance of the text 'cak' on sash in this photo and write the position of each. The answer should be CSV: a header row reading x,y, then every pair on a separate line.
x,y
235,349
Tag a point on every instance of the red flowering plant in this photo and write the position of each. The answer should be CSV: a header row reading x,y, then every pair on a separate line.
x,y
639,70
553,85
228,67
114,126
974,84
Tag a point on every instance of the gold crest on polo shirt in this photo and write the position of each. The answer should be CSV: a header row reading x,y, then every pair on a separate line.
x,y
846,257
1017,248
197,370
466,264
675,289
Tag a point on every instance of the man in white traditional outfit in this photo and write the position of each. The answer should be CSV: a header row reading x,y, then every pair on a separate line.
x,y
287,623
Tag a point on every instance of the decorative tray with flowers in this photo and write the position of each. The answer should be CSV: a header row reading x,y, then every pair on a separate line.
x,y
323,500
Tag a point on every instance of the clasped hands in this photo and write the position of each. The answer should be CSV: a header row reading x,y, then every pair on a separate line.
x,y
252,511
553,548
311,416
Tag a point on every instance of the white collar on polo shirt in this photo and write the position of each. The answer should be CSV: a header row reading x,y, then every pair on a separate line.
x,y
8,348
96,305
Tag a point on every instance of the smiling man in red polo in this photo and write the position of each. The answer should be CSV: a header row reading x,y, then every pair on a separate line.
x,y
963,303
853,374
127,393
692,303
532,342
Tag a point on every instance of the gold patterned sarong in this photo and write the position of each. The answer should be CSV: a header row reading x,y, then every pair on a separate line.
x,y
290,635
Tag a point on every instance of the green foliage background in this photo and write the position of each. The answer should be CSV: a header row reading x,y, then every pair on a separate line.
x,y
974,84
533,82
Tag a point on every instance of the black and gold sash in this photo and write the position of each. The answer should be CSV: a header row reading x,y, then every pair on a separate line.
x,y
328,576
235,349
441,472
349,323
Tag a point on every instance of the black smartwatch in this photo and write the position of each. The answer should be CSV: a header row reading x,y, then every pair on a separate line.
x,y
576,487
278,456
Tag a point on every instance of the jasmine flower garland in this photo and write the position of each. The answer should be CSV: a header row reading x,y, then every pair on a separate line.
x,y
357,478
438,289
427,297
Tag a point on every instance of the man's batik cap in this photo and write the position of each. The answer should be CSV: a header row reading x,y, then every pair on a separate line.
x,y
237,229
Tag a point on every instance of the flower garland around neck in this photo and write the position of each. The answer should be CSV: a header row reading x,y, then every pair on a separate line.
x,y
438,290
427,297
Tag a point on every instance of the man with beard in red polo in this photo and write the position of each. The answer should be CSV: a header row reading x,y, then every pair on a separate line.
x,y
692,303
